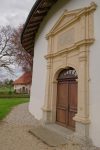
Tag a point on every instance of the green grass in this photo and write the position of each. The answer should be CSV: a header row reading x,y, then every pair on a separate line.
x,y
6,89
6,104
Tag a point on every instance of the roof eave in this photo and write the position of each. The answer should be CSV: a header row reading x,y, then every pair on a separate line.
x,y
30,28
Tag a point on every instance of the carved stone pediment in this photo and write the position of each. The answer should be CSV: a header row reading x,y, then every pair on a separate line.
x,y
69,17
65,18
72,30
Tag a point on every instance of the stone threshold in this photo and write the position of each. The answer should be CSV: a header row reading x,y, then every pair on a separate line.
x,y
55,135
66,133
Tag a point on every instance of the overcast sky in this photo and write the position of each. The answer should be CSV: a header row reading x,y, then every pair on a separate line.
x,y
14,13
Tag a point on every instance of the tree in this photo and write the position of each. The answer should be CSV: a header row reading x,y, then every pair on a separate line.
x,y
22,57
11,82
6,82
11,50
6,56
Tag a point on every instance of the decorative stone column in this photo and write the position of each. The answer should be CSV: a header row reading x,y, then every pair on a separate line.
x,y
82,117
47,102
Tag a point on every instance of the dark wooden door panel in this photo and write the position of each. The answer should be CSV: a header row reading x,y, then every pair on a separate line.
x,y
62,98
62,103
72,102
66,103
73,96
71,122
61,116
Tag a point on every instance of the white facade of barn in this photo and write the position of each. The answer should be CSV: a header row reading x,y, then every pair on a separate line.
x,y
22,88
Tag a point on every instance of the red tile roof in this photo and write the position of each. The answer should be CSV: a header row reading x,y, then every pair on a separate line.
x,y
26,78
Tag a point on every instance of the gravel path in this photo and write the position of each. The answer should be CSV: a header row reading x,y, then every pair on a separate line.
x,y
14,133
14,129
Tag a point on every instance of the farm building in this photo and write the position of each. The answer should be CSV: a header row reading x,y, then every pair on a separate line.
x,y
63,36
23,83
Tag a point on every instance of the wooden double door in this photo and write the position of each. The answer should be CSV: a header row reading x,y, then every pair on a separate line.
x,y
66,102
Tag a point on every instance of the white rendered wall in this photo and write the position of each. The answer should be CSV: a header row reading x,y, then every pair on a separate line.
x,y
94,81
18,87
39,71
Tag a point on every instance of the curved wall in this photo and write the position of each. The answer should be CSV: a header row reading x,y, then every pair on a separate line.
x,y
39,67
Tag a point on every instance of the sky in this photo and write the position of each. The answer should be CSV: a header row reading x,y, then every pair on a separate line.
x,y
14,13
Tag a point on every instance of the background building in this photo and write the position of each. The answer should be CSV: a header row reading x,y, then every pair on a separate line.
x,y
23,83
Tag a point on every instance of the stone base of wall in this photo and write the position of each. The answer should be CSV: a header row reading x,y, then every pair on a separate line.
x,y
77,144
74,145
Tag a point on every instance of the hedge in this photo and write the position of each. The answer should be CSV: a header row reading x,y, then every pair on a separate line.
x,y
2,95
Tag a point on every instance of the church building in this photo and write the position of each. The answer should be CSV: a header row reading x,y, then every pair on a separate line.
x,y
64,38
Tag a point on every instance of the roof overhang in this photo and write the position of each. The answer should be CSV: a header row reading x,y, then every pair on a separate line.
x,y
35,17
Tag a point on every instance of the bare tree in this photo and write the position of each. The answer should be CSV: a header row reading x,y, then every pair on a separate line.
x,y
11,50
22,57
6,56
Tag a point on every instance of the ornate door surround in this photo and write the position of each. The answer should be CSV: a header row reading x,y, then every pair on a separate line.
x,y
68,46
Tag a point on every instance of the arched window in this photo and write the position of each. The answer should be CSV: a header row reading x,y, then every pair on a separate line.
x,y
66,74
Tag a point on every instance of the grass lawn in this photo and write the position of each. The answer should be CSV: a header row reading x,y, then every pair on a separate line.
x,y
6,104
6,89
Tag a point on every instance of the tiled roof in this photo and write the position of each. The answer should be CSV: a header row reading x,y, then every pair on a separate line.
x,y
26,78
